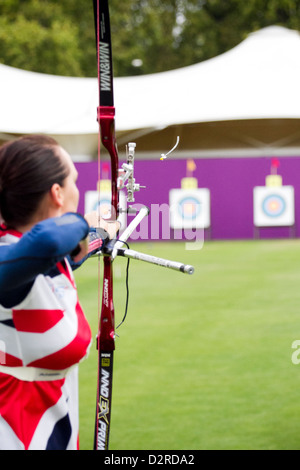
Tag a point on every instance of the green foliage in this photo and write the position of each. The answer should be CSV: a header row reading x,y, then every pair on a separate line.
x,y
215,26
202,361
44,36
148,36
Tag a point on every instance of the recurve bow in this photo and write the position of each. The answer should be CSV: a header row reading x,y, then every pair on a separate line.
x,y
106,120
120,179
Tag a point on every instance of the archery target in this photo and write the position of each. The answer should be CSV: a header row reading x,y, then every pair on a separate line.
x,y
189,208
92,202
273,206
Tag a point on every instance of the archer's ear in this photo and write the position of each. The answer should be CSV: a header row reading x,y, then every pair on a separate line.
x,y
56,195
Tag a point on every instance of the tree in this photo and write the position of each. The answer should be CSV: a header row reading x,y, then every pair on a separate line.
x,y
57,36
35,35
215,26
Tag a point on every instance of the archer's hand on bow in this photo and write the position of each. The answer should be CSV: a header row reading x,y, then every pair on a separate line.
x,y
104,231
96,221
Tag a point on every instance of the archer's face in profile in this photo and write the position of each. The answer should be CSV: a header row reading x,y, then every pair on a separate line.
x,y
70,192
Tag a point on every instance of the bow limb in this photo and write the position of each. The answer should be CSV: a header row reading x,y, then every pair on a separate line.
x,y
106,109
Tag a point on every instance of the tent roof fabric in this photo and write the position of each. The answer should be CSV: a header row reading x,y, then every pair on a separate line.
x,y
258,79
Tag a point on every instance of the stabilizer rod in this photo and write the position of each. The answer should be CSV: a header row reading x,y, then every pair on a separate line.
x,y
184,268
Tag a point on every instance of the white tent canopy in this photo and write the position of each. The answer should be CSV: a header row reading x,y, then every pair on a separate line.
x,y
258,79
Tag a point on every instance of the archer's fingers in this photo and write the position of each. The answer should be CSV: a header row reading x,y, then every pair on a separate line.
x,y
110,226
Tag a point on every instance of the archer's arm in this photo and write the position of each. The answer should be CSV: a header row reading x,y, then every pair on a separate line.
x,y
38,251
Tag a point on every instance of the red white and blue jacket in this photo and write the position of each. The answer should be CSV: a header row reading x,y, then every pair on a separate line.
x,y
43,336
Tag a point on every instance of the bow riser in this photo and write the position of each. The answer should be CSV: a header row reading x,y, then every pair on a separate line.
x,y
107,320
106,119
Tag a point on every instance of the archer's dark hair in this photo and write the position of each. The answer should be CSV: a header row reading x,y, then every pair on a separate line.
x,y
29,166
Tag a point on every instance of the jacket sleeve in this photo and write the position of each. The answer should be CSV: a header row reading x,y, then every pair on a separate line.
x,y
39,250
98,238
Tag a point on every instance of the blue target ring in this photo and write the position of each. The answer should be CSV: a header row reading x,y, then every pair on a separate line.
x,y
189,208
273,205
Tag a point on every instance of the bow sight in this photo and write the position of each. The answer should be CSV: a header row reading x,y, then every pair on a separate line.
x,y
126,174
115,247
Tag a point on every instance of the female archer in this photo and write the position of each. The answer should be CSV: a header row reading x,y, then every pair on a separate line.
x,y
43,331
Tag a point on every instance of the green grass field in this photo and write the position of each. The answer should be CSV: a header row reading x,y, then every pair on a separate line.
x,y
202,361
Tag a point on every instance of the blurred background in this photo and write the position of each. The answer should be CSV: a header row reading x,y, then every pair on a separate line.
x,y
202,362
223,77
